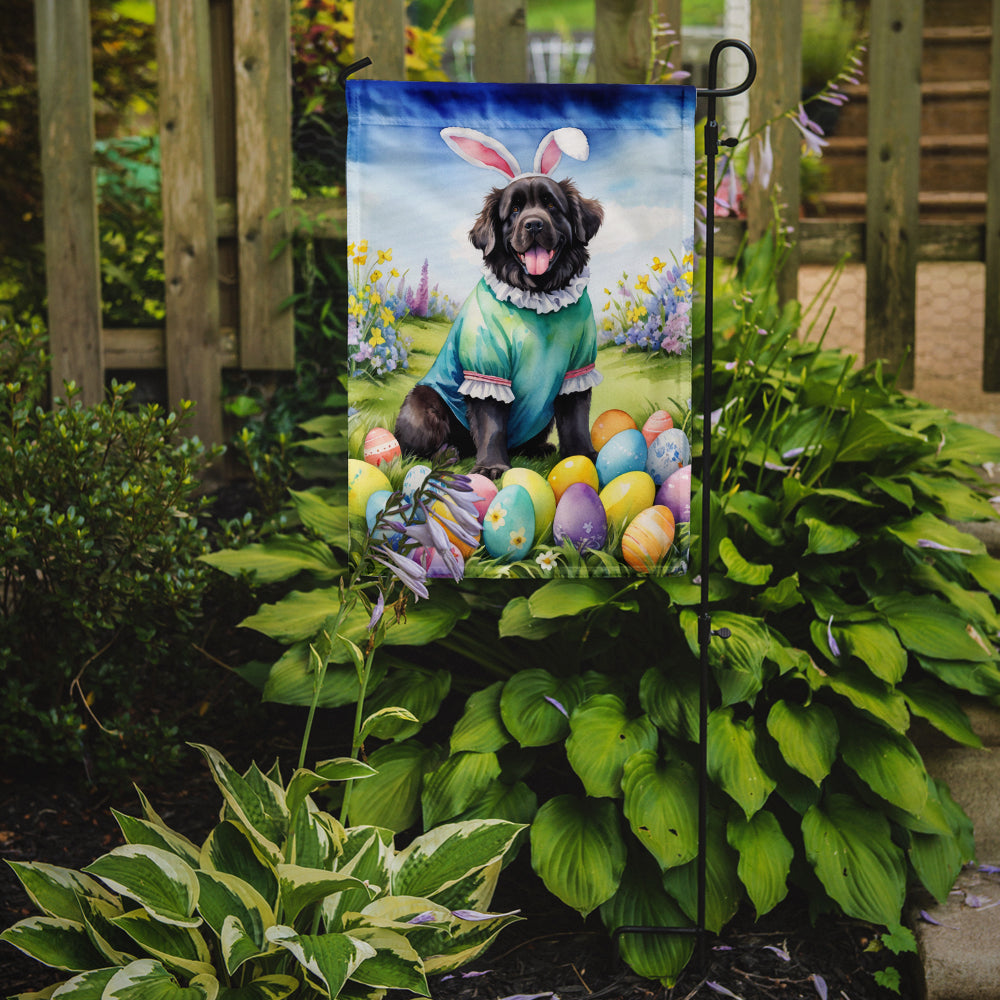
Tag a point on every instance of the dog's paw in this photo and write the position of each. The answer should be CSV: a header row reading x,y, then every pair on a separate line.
x,y
491,471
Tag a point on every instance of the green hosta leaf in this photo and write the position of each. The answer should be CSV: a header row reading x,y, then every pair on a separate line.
x,y
732,760
876,646
292,680
641,901
275,987
443,856
387,723
304,782
828,539
327,520
481,728
738,569
330,959
562,598
866,692
888,763
850,848
937,859
602,738
147,979
975,605
957,501
931,628
965,443
279,558
56,891
785,594
661,806
230,849
395,964
976,678
738,661
925,527
517,620
941,709
985,569
530,706
180,948
301,887
391,798
456,784
226,898
160,882
758,511
578,851
516,803
807,736
54,941
765,858
671,700
869,436
418,691
141,831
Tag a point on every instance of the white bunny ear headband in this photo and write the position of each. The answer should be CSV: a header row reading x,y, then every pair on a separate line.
x,y
483,151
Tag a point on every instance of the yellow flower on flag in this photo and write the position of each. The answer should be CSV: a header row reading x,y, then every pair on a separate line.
x,y
384,255
658,265
642,283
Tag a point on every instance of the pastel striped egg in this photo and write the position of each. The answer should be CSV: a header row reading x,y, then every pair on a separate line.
x,y
380,446
657,423
648,538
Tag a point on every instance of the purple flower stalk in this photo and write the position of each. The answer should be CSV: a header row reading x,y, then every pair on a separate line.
x,y
409,572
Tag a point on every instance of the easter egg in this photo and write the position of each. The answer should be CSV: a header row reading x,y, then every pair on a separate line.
x,y
580,517
575,469
625,496
440,511
374,507
413,480
542,497
380,446
675,493
434,563
648,538
607,425
657,423
625,452
509,525
668,452
485,489
362,481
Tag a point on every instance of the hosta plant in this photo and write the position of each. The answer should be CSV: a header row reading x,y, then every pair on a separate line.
x,y
279,900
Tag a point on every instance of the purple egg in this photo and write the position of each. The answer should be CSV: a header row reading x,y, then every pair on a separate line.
x,y
580,517
432,561
675,493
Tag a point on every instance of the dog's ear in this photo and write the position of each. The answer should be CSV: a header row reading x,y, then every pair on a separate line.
x,y
484,231
586,214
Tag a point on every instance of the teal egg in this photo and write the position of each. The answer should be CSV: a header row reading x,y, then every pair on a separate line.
x,y
669,451
509,524
625,452
376,504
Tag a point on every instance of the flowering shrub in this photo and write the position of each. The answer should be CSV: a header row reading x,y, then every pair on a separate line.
x,y
655,313
375,309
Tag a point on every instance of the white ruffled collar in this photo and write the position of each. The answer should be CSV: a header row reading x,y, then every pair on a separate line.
x,y
539,302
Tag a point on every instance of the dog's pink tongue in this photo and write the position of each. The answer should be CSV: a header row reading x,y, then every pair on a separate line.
x,y
536,260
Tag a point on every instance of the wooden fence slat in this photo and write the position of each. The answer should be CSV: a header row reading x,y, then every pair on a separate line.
x,y
380,34
776,36
501,41
892,215
72,256
262,61
190,253
991,331
622,38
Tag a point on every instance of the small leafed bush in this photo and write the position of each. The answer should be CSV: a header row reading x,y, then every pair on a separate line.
x,y
99,574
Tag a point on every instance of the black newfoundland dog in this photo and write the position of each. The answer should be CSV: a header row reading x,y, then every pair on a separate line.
x,y
520,356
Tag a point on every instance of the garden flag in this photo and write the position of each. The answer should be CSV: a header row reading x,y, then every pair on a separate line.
x,y
520,262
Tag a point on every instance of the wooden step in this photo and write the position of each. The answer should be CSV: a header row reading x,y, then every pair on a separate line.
x,y
956,53
940,13
945,106
957,206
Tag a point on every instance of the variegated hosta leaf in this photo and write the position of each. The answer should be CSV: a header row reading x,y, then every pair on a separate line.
x,y
476,890
765,858
456,784
391,799
441,857
395,964
602,737
177,947
578,851
661,805
315,838
329,959
147,979
230,849
850,847
86,986
367,853
535,706
54,941
225,897
116,947
732,760
642,902
468,939
481,727
301,887
274,987
56,891
141,831
888,763
158,880
807,736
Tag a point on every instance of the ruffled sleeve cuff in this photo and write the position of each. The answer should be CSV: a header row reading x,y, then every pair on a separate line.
x,y
580,379
479,386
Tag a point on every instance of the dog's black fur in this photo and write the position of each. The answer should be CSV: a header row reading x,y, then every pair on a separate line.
x,y
531,212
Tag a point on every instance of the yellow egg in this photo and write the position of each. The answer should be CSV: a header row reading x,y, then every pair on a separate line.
x,y
440,510
648,538
362,481
607,425
542,497
575,469
626,495
657,423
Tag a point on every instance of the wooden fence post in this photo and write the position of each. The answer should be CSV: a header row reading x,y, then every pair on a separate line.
x,y
262,61
501,41
776,34
72,255
991,332
380,34
893,183
190,251
623,37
